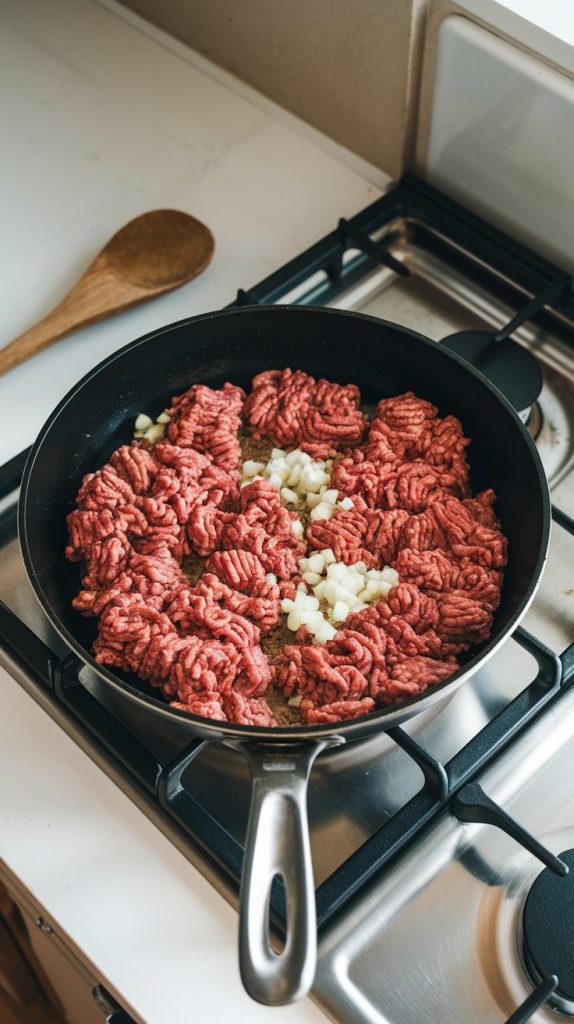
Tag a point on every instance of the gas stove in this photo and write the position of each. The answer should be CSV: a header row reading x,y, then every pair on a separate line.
x,y
439,848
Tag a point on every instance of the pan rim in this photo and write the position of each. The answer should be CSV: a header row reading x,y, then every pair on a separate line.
x,y
287,734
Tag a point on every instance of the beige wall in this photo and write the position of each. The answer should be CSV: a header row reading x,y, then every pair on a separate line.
x,y
344,66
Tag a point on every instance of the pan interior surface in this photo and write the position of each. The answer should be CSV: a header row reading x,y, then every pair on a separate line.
x,y
233,345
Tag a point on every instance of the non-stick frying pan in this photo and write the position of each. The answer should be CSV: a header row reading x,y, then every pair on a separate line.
x,y
383,360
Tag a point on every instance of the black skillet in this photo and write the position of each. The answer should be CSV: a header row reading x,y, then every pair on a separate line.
x,y
383,359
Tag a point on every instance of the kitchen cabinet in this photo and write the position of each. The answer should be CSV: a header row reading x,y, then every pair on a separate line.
x,y
26,994
42,981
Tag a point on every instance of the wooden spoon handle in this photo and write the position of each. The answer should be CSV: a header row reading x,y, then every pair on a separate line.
x,y
95,296
40,336
121,276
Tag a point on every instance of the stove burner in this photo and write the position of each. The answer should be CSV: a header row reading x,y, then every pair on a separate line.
x,y
507,365
548,930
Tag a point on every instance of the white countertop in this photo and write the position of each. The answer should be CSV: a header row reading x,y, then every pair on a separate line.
x,y
102,119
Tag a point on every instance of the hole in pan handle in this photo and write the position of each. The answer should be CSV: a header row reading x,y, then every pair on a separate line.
x,y
277,843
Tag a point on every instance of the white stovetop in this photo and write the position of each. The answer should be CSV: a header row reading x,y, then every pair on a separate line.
x,y
103,118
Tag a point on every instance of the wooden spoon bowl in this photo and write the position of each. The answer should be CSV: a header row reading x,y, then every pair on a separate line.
x,y
154,253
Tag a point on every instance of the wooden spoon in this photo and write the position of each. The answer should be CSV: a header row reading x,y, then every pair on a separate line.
x,y
154,253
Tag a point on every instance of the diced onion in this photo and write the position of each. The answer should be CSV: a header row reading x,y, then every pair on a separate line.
x,y
294,620
143,422
294,476
325,632
316,563
155,433
299,479
313,620
340,611
336,571
251,468
330,591
322,511
390,576
289,496
330,496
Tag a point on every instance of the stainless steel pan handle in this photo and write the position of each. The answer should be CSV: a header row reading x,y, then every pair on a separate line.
x,y
277,843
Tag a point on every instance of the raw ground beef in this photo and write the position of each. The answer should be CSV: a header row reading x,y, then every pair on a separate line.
x,y
139,517
296,411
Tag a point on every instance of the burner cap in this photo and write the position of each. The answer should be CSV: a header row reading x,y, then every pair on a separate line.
x,y
548,924
507,365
